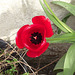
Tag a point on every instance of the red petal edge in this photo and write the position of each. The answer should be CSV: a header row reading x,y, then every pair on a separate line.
x,y
18,39
37,54
38,19
49,31
45,22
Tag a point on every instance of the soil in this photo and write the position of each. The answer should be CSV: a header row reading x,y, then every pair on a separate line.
x,y
39,64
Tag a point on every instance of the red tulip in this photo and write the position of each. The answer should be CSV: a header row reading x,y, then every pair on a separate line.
x,y
33,37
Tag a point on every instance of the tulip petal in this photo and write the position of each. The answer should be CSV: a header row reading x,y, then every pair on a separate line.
x,y
38,19
27,34
19,42
49,31
33,54
45,22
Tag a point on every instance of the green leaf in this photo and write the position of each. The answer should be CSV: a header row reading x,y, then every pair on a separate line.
x,y
60,22
52,18
15,60
8,61
69,64
68,6
60,73
64,20
66,17
60,64
59,30
62,38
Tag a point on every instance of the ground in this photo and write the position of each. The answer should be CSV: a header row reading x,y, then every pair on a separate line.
x,y
43,64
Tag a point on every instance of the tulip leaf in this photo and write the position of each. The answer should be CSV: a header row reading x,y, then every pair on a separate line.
x,y
62,38
66,17
68,6
52,18
64,20
59,30
60,63
60,22
60,73
69,64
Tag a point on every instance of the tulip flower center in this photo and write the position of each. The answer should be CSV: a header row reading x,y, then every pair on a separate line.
x,y
36,38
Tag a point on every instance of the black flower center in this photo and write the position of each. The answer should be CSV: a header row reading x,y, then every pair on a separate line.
x,y
36,38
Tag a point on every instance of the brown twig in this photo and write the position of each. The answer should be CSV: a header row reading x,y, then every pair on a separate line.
x,y
47,65
21,57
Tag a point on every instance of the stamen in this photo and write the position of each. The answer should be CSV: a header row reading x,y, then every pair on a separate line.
x,y
36,38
